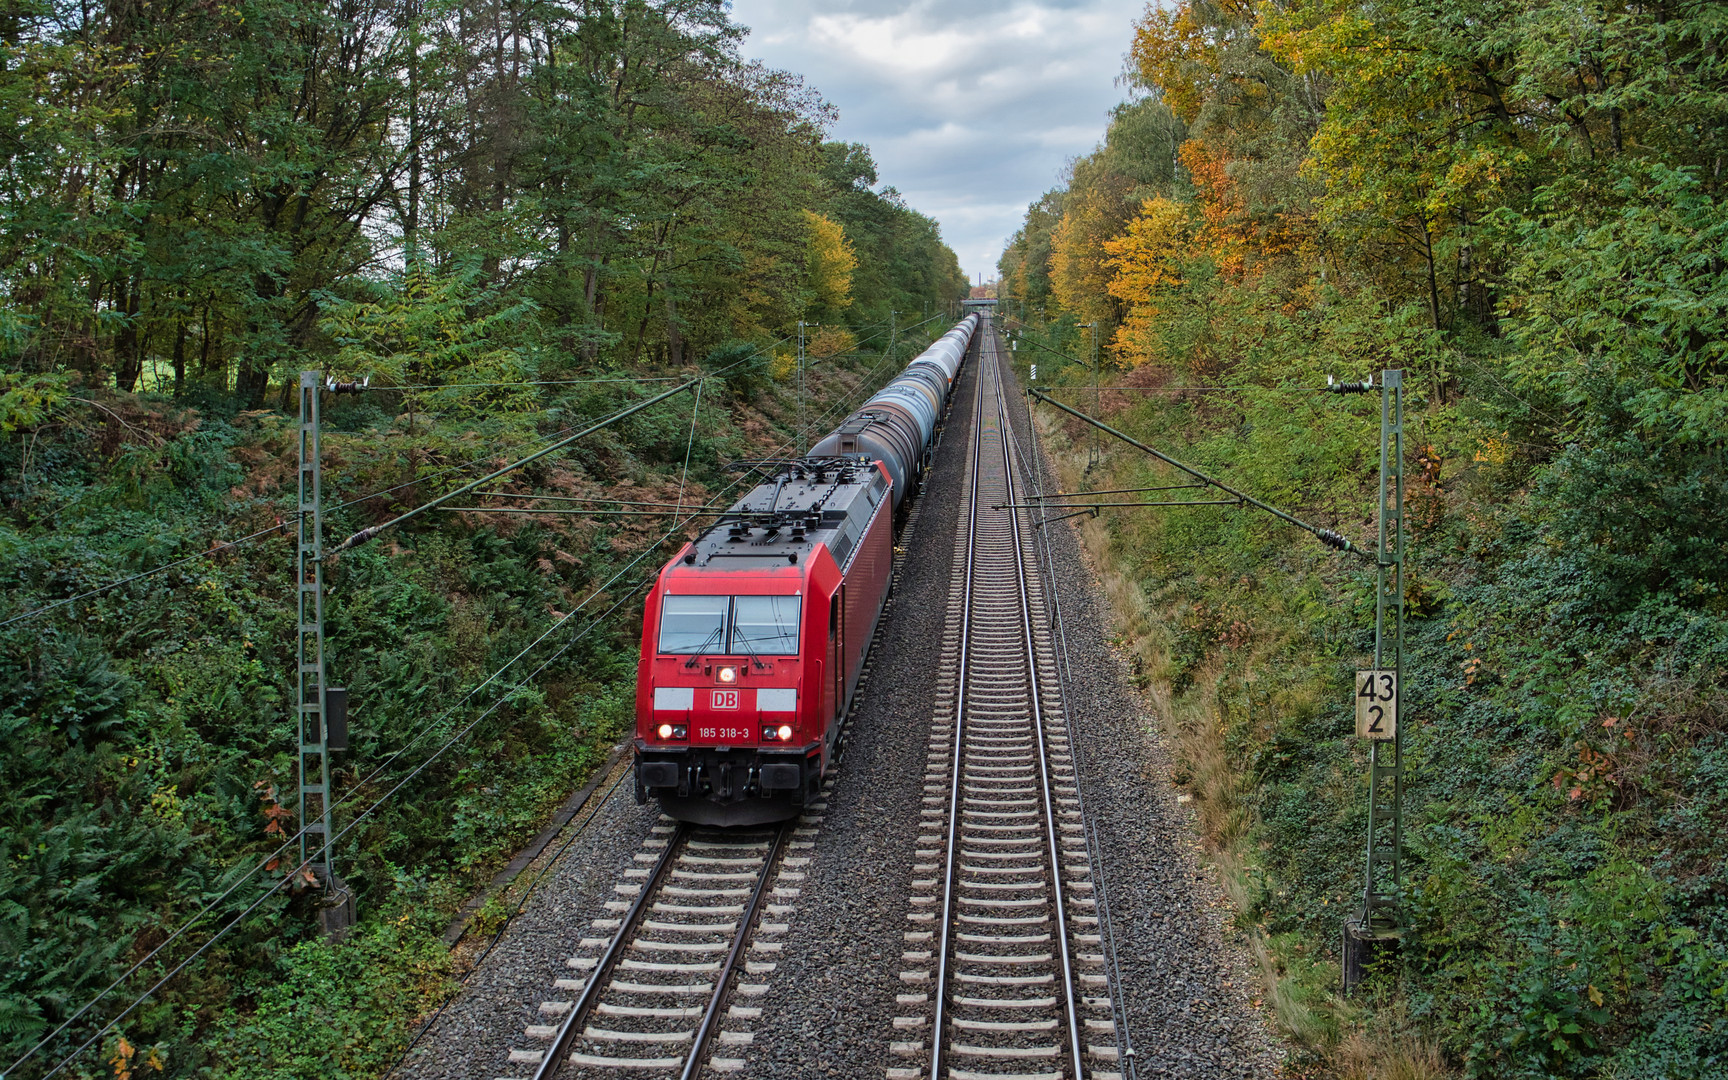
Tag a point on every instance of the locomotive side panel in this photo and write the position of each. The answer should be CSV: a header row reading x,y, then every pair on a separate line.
x,y
867,582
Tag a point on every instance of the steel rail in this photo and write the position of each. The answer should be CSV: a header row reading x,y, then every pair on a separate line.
x,y
1059,900
1031,457
627,928
1075,1051
947,913
723,979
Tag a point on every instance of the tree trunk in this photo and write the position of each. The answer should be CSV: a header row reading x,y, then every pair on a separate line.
x,y
180,357
204,347
674,339
642,324
128,349
1433,280
1466,293
411,226
252,380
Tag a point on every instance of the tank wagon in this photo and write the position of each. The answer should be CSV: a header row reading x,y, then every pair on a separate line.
x,y
755,634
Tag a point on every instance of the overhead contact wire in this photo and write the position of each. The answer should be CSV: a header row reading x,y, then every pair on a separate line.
x,y
1325,536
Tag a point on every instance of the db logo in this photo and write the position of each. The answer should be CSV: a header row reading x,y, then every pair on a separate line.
x,y
725,699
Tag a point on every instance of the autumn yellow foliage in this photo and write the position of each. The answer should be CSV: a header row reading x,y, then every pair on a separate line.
x,y
1079,280
1221,208
1172,52
828,341
1147,261
830,262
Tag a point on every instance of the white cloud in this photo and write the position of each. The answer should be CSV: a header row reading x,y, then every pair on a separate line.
x,y
970,108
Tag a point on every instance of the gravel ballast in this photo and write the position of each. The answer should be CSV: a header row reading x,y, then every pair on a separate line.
x,y
473,1037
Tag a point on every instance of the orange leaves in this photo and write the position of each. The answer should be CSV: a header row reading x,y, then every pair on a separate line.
x,y
127,1064
1593,776
1235,237
1598,777
273,810
275,816
1225,235
1424,497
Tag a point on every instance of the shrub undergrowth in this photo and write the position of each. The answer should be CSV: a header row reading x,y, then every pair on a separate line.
x,y
1564,720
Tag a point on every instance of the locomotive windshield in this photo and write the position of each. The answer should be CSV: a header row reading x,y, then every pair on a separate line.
x,y
731,625
693,624
766,625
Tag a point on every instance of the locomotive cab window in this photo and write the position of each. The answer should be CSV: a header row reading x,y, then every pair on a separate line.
x,y
693,624
765,625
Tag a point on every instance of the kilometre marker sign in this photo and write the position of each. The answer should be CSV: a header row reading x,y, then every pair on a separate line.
x,y
1377,703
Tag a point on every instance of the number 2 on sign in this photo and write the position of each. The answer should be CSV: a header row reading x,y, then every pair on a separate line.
x,y
1377,703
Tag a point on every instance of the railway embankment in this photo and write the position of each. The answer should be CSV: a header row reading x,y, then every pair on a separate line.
x,y
1563,718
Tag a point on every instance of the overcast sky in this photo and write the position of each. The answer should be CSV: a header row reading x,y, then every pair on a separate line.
x,y
970,108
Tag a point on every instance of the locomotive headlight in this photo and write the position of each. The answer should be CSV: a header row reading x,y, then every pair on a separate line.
x,y
672,732
785,732
665,731
727,674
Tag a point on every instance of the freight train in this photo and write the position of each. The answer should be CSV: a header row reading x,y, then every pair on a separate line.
x,y
754,635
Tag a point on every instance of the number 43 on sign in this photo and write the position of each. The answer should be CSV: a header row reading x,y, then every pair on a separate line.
x,y
1377,703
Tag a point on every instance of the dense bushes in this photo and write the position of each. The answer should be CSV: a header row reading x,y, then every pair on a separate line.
x,y
1565,723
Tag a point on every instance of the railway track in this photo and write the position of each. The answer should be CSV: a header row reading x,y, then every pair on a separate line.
x,y
1005,972
652,996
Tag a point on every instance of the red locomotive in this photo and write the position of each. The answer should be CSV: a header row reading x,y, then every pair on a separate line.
x,y
754,635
